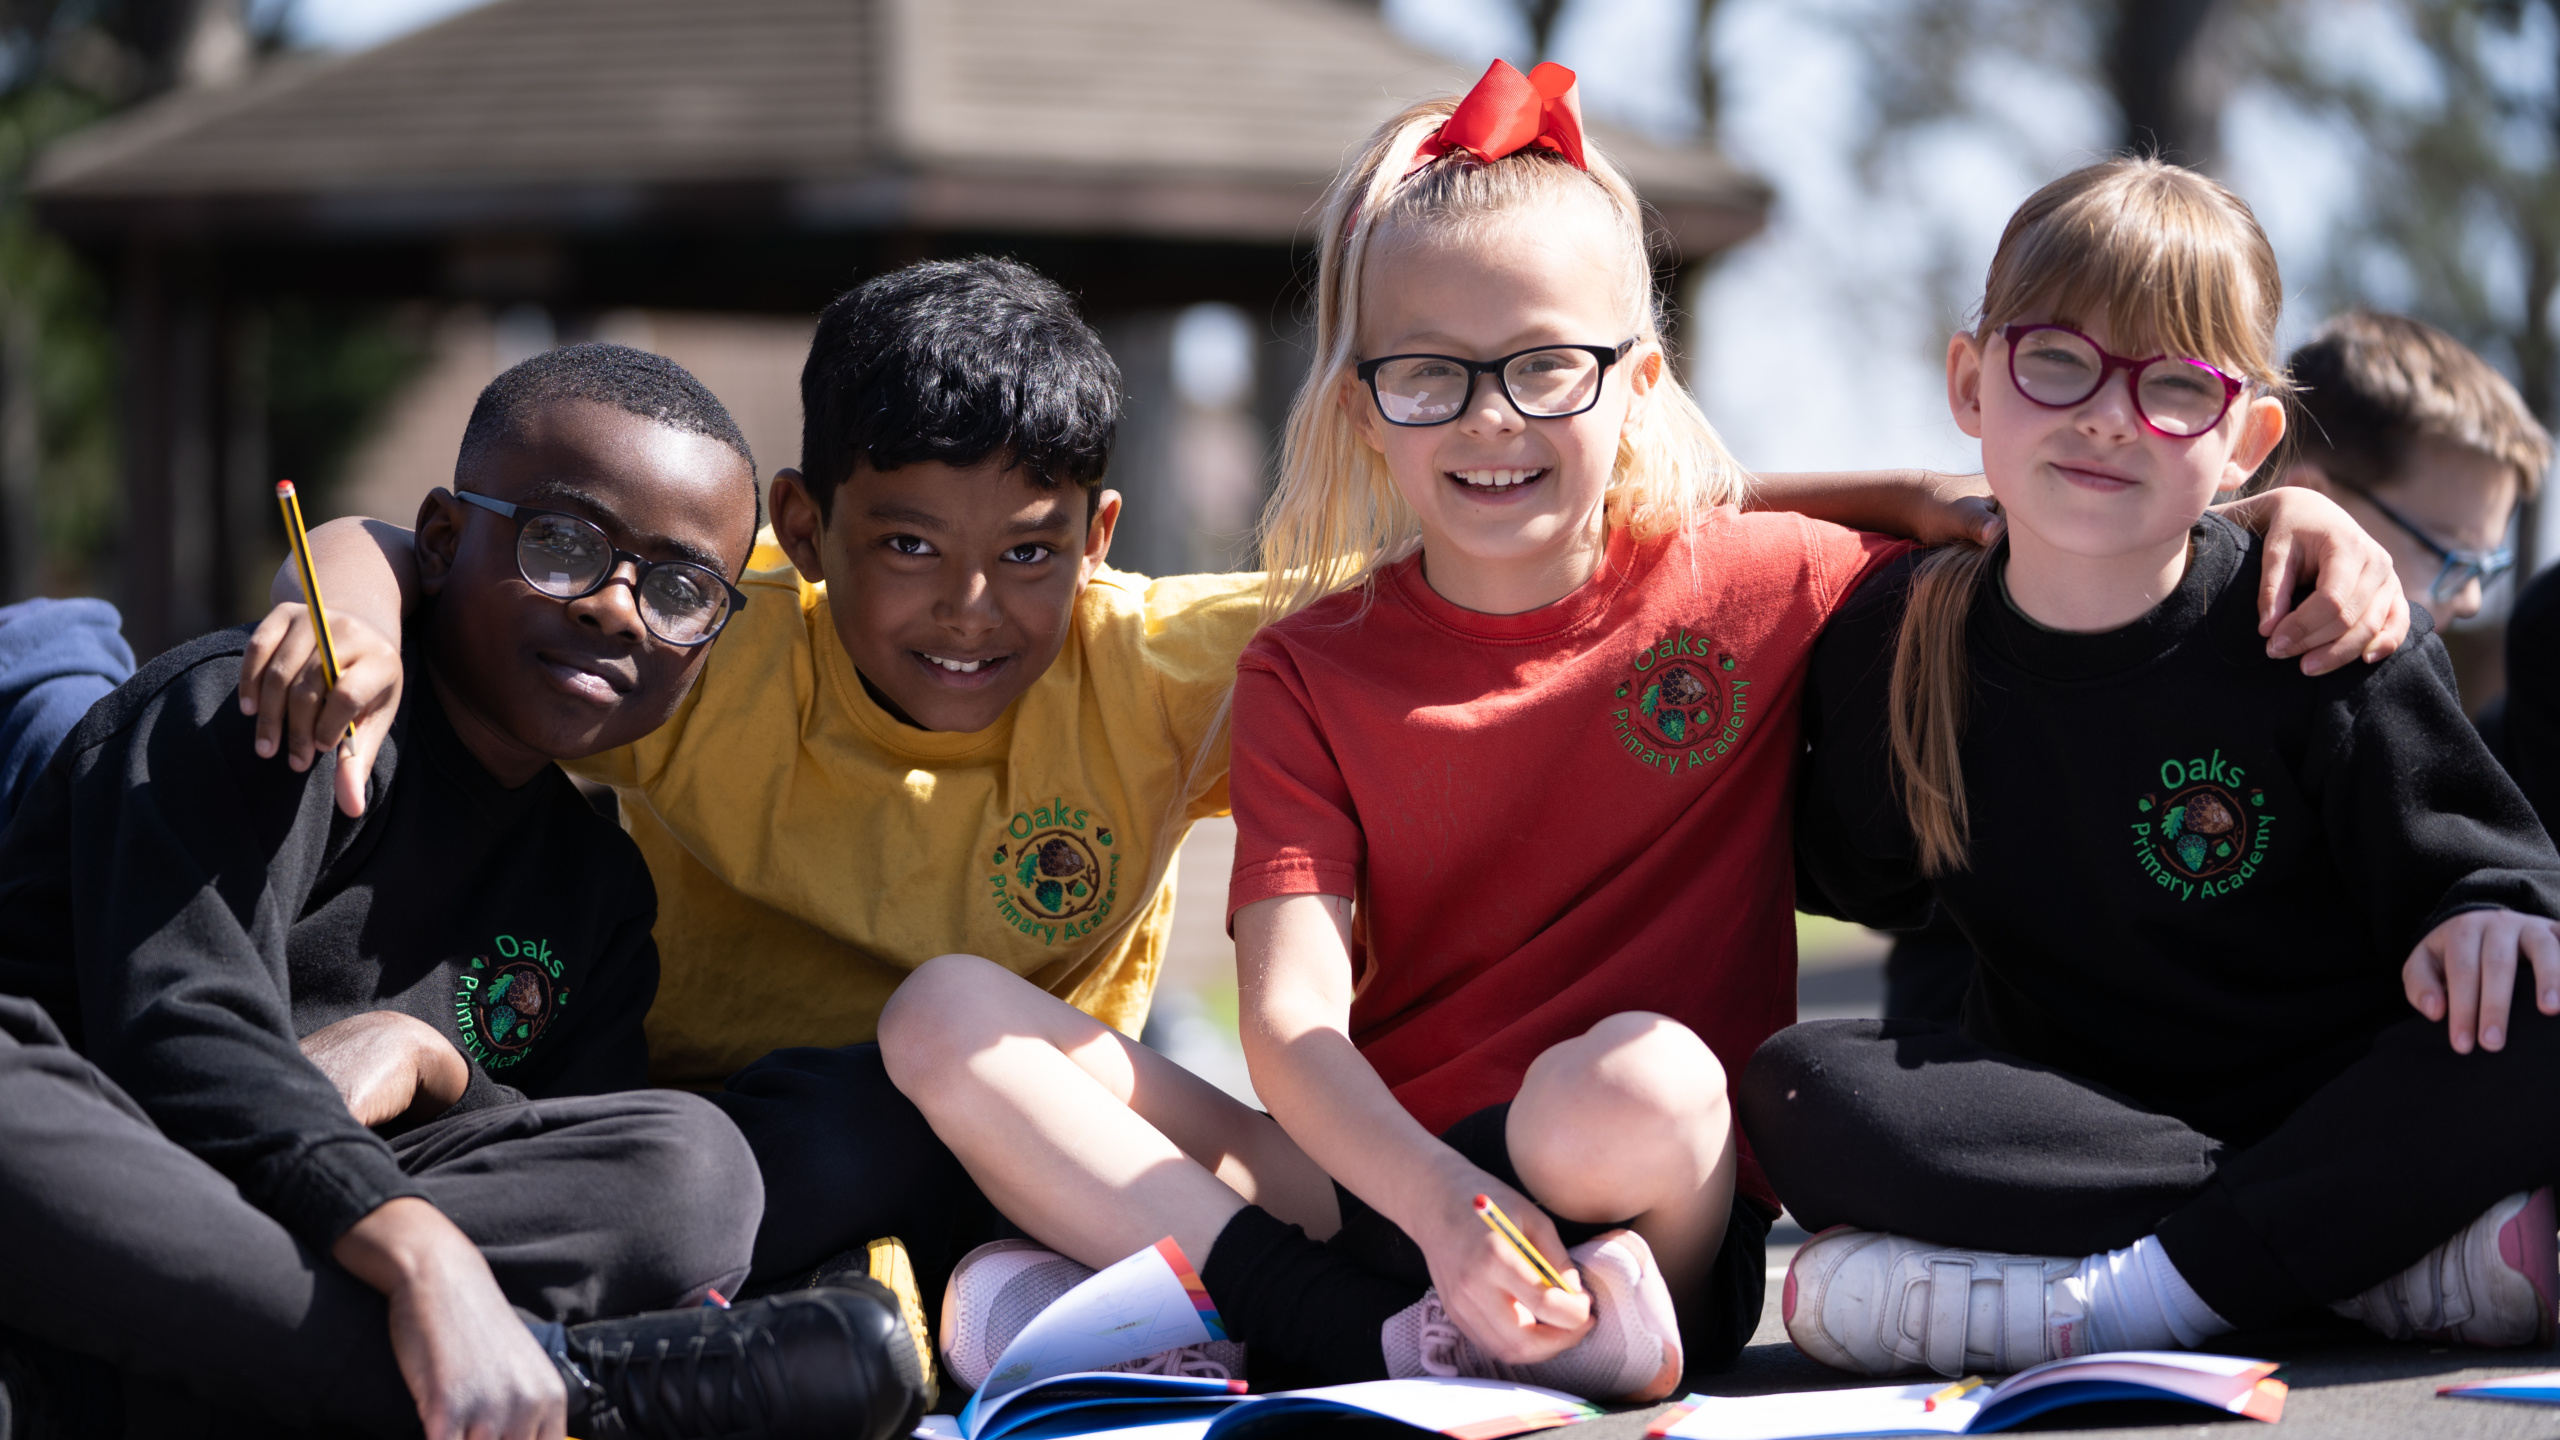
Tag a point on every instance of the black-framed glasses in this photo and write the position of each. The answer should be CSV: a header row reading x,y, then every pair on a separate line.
x,y
1549,382
2456,567
2058,367
567,558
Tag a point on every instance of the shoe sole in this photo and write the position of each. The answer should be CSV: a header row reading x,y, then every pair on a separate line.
x,y
2530,1246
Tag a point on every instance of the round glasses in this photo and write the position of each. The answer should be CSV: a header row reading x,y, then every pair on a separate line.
x,y
2456,568
1547,383
2058,367
568,558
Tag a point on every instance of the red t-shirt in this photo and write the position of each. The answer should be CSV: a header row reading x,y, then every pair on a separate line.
x,y
1547,818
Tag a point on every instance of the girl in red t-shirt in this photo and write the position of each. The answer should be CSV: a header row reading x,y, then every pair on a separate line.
x,y
1511,775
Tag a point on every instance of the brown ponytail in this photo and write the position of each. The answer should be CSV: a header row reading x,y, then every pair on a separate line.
x,y
2166,258
1925,709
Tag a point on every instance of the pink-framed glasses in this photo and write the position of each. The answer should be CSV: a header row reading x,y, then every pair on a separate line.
x,y
2058,367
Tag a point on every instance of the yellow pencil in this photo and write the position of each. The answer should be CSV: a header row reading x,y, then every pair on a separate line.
x,y
1957,1391
1491,1214
300,539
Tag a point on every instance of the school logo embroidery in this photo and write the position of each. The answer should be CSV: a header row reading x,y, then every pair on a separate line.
x,y
1684,707
1056,875
504,1002
2204,832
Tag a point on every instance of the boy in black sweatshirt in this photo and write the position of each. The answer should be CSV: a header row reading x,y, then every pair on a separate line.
x,y
339,1119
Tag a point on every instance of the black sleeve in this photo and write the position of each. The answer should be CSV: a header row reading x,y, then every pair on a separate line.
x,y
1854,858
188,861
2423,821
2533,696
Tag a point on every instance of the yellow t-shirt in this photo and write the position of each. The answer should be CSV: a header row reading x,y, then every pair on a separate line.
x,y
809,850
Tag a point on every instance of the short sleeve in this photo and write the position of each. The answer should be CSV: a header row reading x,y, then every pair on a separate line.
x,y
1196,626
1297,832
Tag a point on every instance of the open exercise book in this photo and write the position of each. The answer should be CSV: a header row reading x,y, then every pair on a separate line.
x,y
2217,1382
1047,1384
2542,1389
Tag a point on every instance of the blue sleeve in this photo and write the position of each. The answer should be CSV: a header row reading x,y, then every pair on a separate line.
x,y
57,658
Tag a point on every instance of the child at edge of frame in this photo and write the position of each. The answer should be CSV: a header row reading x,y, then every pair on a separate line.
x,y
340,1122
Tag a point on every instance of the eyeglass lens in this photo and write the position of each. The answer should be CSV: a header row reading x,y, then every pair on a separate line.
x,y
680,602
2057,367
1543,384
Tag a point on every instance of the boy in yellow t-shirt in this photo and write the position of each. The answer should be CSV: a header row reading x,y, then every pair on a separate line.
x,y
939,723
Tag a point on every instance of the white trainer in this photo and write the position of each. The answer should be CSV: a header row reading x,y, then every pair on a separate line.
x,y
1632,1352
998,1288
2496,1284
1877,1304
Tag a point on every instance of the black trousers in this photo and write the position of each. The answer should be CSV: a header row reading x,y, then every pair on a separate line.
x,y
846,1160
126,1249
1716,1320
1910,1127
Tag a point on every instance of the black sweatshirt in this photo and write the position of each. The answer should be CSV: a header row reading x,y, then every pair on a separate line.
x,y
2194,872
188,911
2533,696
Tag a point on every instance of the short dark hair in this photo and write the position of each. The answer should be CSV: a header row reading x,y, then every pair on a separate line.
x,y
2369,385
953,361
633,381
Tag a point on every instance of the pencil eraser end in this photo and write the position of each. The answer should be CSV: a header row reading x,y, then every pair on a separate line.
x,y
283,488
1483,1203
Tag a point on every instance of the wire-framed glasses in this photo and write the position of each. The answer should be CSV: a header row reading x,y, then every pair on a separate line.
x,y
568,558
2456,568
2058,367
1549,382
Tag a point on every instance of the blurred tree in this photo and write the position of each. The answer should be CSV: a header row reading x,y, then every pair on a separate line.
x,y
65,64
2458,157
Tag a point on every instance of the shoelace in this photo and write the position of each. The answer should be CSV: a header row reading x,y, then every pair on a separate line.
x,y
694,1398
1439,1340
1190,1360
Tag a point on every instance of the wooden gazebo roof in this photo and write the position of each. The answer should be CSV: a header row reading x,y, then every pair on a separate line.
x,y
1178,119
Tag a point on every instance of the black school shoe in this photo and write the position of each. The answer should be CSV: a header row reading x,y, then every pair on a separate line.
x,y
827,1364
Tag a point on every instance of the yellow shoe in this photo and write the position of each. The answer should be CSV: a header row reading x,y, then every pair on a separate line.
x,y
891,1267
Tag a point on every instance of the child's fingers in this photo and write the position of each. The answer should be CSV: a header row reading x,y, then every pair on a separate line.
x,y
294,657
302,701
2392,630
2497,977
260,653
2458,944
2540,941
2422,980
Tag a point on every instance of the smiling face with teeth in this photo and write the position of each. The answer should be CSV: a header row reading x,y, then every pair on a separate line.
x,y
1510,507
951,587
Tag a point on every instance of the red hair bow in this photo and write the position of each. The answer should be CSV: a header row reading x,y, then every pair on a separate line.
x,y
1509,112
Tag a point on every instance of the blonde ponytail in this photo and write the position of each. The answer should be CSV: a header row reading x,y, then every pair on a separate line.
x,y
1926,707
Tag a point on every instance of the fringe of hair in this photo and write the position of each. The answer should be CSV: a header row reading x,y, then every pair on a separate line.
x,y
1335,519
2171,263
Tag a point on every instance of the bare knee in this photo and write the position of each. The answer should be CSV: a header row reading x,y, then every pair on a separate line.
x,y
949,1009
1634,1068
1637,1100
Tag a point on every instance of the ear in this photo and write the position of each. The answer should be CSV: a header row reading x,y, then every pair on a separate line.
x,y
1645,370
1964,383
2261,426
1097,535
798,525
1361,409
439,539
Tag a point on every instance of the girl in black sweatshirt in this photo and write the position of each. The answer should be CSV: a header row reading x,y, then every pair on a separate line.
x,y
2242,1041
